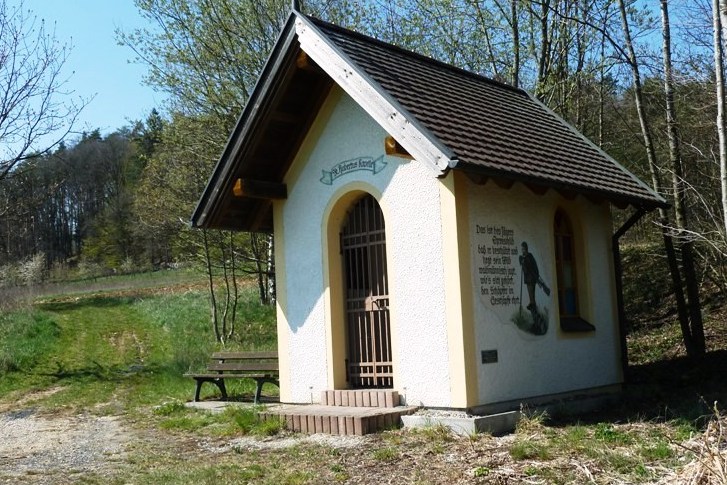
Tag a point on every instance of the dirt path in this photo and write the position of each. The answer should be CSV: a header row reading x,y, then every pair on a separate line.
x,y
59,449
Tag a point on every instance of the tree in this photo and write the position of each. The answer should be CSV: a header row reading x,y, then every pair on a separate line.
x,y
719,16
578,56
689,312
207,55
694,339
35,110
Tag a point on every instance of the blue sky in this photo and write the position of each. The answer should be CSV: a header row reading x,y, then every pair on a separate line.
x,y
97,66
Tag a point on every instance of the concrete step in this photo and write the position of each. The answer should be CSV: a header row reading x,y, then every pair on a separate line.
x,y
337,420
376,398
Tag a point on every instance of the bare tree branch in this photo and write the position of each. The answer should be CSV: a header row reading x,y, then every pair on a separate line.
x,y
36,112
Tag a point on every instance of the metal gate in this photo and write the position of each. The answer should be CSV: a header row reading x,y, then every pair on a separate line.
x,y
363,245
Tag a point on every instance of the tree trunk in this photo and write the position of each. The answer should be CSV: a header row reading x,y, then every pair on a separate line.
x,y
271,270
545,57
260,272
678,187
211,284
226,281
601,87
656,182
719,18
235,288
515,44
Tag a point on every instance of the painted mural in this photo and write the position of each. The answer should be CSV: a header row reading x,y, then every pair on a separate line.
x,y
509,278
535,319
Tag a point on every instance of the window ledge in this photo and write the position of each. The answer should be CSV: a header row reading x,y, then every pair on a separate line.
x,y
575,325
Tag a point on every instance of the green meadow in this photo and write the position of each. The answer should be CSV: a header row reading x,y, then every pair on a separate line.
x,y
120,348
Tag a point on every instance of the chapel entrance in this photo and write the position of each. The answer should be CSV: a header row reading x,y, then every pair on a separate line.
x,y
368,332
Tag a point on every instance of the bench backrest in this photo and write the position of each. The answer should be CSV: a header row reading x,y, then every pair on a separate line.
x,y
244,361
244,355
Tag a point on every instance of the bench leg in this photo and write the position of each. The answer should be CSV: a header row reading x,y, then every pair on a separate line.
x,y
259,390
220,383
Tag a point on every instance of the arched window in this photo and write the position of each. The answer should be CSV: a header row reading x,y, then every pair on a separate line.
x,y
567,274
565,265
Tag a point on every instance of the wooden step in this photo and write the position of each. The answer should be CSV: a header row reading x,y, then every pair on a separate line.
x,y
375,398
337,420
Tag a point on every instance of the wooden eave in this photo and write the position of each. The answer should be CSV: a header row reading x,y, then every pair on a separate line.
x,y
538,186
266,138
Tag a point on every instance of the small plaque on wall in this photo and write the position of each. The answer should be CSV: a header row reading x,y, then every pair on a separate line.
x,y
489,356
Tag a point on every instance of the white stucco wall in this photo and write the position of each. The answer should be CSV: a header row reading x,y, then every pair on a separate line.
x,y
531,365
410,203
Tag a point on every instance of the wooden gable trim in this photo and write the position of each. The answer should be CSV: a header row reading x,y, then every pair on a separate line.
x,y
376,101
211,203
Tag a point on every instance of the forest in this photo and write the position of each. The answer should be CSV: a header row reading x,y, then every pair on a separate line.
x,y
644,80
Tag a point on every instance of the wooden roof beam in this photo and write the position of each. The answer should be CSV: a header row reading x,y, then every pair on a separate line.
x,y
393,147
261,213
283,117
537,189
259,189
477,179
503,183
304,62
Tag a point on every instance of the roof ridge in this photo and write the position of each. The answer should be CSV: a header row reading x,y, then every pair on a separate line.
x,y
410,53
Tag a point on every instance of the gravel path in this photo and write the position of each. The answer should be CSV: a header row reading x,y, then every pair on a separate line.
x,y
54,449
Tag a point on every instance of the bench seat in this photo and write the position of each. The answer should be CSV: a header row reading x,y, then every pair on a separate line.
x,y
262,367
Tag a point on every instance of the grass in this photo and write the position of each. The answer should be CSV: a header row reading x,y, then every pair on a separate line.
x,y
23,296
26,338
233,421
123,351
129,348
385,454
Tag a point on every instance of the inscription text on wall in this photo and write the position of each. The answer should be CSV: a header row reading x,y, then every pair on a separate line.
x,y
371,164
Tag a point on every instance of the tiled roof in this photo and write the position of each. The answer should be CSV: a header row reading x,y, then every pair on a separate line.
x,y
449,118
492,128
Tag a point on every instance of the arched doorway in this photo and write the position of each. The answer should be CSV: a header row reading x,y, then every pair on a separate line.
x,y
366,300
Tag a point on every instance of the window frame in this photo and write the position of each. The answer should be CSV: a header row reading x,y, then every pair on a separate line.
x,y
565,244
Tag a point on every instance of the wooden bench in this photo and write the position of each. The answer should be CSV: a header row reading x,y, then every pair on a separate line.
x,y
260,366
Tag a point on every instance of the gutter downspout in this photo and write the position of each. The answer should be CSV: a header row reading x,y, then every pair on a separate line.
x,y
618,270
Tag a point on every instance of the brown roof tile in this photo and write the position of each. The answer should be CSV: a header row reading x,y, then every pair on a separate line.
x,y
491,127
487,127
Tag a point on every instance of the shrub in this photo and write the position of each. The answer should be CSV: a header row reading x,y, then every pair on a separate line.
x,y
128,265
9,276
89,269
32,271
